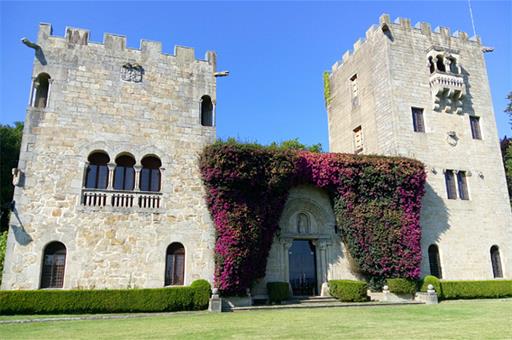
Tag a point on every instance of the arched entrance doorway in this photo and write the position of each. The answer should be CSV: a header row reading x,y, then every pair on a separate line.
x,y
302,268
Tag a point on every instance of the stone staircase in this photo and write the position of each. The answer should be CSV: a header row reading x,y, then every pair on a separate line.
x,y
318,302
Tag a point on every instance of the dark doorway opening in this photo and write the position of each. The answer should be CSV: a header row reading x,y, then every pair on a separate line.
x,y
302,263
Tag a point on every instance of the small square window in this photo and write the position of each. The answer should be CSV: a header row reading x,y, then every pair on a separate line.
x,y
475,127
417,120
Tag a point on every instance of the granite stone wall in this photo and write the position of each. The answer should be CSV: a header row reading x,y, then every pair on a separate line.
x,y
108,97
393,76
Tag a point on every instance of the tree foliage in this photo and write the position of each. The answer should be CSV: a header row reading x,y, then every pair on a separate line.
x,y
10,143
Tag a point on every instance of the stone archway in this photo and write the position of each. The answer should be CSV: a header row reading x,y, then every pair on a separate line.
x,y
308,216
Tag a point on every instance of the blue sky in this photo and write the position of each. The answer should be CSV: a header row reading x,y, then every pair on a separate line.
x,y
276,51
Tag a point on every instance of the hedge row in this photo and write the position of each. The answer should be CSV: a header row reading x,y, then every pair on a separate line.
x,y
278,291
194,297
401,286
476,289
349,290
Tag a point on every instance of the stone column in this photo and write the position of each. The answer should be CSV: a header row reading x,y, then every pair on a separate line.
x,y
137,177
111,168
286,244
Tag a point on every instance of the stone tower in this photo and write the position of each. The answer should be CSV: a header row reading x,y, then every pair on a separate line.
x,y
108,190
413,92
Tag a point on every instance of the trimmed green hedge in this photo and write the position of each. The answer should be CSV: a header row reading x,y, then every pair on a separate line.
x,y
401,286
431,280
476,289
278,291
194,297
349,290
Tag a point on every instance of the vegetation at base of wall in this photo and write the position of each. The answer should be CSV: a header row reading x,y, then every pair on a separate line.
x,y
506,154
278,291
476,289
377,203
10,143
401,286
349,290
3,245
327,89
194,297
430,280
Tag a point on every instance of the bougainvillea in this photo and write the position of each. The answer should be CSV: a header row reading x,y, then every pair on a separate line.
x,y
377,202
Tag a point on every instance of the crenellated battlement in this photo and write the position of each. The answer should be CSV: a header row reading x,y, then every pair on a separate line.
x,y
388,28
116,42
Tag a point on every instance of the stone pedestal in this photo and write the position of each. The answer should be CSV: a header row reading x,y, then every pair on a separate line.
x,y
215,304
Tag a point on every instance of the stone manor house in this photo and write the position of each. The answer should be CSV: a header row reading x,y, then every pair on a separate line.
x,y
109,194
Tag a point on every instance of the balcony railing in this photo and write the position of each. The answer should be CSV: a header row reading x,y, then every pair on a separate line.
x,y
121,199
447,85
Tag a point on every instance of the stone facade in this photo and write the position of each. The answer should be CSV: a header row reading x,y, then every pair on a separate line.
x,y
139,102
375,88
121,101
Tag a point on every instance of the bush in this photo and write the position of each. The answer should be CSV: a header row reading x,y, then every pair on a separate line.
x,y
172,299
278,291
349,290
431,280
476,289
401,286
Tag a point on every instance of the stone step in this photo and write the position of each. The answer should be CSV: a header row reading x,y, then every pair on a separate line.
x,y
313,299
324,305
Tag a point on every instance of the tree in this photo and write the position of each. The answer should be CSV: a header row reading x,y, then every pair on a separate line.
x,y
296,145
10,143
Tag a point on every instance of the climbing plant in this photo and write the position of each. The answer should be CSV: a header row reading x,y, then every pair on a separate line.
x,y
327,89
377,203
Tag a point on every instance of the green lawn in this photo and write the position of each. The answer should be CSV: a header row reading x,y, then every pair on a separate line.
x,y
454,319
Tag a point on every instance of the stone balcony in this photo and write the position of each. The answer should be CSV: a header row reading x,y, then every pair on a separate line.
x,y
101,199
448,91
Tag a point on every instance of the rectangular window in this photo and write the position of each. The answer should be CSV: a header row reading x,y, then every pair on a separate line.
x,y
358,140
450,184
463,185
355,90
475,127
417,120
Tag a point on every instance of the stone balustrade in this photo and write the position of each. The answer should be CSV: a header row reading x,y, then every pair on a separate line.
x,y
121,199
447,85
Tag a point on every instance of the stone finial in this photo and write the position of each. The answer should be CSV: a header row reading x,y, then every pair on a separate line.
x,y
430,289
151,48
461,35
384,19
77,36
45,30
385,289
346,55
114,42
184,54
211,57
357,44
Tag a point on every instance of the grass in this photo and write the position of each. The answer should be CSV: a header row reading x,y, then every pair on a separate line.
x,y
449,320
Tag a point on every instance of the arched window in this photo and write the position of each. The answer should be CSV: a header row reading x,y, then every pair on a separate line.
x,y
96,174
175,264
150,174
435,262
54,263
431,66
206,111
453,65
440,63
124,174
496,262
40,90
